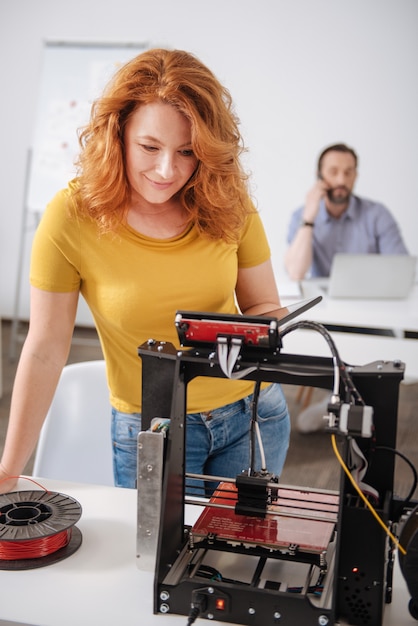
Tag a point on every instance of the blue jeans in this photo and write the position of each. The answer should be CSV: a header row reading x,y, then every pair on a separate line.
x,y
217,442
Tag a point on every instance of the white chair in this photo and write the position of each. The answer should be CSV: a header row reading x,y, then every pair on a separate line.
x,y
75,440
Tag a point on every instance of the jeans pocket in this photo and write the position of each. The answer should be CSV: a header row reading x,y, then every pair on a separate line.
x,y
272,403
125,429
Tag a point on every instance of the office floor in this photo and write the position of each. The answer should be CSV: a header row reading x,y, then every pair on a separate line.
x,y
310,461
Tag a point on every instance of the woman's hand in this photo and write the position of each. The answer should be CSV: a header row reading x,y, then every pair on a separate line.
x,y
7,482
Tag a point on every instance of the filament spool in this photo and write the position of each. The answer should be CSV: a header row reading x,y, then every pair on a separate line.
x,y
38,518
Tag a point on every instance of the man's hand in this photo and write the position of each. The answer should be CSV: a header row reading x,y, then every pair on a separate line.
x,y
313,197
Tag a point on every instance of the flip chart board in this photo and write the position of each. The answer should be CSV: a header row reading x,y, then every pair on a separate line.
x,y
73,75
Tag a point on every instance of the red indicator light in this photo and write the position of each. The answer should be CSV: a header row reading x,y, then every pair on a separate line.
x,y
220,604
355,570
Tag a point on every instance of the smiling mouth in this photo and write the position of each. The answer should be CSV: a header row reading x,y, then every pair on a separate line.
x,y
160,184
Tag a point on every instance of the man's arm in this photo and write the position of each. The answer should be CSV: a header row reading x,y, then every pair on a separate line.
x,y
298,256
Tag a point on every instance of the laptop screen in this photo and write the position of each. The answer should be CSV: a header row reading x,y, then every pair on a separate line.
x,y
371,276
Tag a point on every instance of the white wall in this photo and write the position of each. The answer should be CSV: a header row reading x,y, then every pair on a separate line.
x,y
303,73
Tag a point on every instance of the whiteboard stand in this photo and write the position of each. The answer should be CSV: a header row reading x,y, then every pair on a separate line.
x,y
15,335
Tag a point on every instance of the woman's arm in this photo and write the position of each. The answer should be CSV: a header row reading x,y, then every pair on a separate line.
x,y
43,356
256,290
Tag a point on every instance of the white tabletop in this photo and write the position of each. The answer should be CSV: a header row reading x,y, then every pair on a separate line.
x,y
395,314
100,583
358,348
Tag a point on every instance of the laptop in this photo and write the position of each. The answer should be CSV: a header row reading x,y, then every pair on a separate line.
x,y
370,276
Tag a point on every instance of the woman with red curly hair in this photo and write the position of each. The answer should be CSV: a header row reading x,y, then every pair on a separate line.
x,y
159,219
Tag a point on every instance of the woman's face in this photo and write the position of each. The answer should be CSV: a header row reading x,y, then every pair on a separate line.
x,y
158,152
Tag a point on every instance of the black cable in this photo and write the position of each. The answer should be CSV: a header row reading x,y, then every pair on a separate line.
x,y
198,605
313,326
408,462
193,615
207,571
212,574
345,376
254,407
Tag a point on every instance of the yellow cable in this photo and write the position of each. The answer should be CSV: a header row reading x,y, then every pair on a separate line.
x,y
362,496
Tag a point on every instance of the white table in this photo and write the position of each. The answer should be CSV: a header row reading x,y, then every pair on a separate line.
x,y
100,583
357,348
395,314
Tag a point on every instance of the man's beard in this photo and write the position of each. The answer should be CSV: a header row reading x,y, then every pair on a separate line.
x,y
338,198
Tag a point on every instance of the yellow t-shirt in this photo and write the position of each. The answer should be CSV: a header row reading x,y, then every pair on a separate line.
x,y
134,285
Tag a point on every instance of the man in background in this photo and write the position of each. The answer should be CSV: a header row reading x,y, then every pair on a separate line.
x,y
334,220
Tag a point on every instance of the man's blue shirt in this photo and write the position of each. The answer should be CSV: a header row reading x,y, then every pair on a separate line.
x,y
365,227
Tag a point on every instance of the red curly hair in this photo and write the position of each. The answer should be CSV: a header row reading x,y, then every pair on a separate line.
x,y
216,197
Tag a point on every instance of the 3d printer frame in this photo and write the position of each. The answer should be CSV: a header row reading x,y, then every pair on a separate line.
x,y
362,558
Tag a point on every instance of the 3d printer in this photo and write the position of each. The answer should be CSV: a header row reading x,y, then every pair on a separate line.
x,y
260,552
